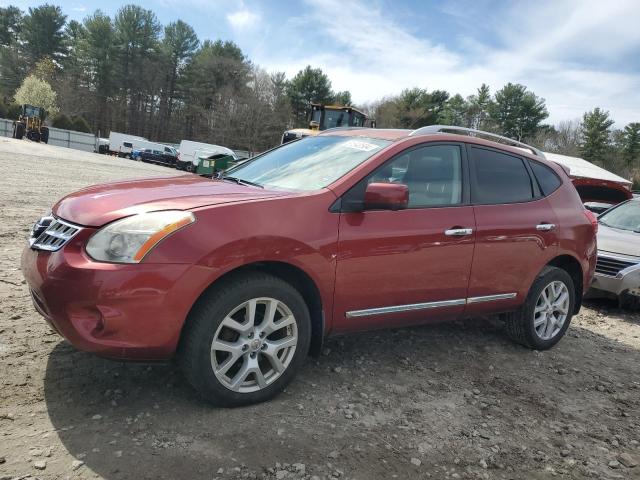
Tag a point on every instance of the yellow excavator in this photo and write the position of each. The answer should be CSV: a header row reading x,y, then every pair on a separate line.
x,y
30,125
329,116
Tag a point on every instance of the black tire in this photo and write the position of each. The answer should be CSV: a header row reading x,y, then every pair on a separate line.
x,y
44,134
18,131
520,324
33,135
194,353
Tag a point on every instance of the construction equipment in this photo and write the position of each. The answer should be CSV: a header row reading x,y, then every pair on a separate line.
x,y
30,124
324,117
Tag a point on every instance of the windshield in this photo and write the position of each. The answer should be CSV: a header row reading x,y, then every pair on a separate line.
x,y
308,164
624,217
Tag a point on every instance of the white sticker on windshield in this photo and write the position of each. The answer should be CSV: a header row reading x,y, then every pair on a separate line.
x,y
360,145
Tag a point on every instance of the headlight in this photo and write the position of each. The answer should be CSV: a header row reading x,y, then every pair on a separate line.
x,y
130,239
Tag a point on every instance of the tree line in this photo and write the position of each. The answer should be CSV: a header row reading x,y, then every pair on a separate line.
x,y
129,73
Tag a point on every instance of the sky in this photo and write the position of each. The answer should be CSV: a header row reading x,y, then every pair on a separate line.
x,y
576,54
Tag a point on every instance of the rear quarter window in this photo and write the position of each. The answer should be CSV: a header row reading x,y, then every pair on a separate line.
x,y
547,178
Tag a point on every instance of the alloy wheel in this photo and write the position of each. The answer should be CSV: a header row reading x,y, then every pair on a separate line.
x,y
254,344
551,310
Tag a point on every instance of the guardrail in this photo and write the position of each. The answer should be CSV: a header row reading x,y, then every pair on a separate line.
x,y
58,137
77,140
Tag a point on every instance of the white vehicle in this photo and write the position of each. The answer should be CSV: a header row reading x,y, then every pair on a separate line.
x,y
190,152
125,145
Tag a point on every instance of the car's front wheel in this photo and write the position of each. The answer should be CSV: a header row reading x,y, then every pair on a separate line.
x,y
546,314
244,341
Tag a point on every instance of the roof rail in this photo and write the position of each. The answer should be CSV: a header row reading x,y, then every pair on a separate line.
x,y
430,129
343,128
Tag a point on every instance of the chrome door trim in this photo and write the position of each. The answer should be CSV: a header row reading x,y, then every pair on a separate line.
x,y
491,298
428,305
405,308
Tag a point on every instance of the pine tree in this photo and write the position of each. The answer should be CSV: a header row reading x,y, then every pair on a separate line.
x,y
595,136
631,144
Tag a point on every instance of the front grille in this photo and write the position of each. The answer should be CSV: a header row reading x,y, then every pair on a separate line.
x,y
55,236
611,266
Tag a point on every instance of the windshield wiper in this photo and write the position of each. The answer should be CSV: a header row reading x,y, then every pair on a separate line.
x,y
240,181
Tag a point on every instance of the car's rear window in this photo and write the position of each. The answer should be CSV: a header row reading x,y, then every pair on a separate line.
x,y
308,164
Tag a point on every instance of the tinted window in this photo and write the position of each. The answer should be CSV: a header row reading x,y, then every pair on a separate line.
x,y
500,178
127,144
547,179
433,175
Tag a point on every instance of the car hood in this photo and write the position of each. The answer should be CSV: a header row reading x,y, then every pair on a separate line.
x,y
100,204
615,240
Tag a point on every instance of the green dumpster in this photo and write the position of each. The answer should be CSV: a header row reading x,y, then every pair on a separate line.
x,y
210,165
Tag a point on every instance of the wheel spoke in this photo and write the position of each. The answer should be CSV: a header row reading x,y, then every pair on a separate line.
x,y
224,346
539,321
241,375
229,362
276,363
282,323
259,376
561,300
237,326
545,296
551,324
267,326
278,345
250,312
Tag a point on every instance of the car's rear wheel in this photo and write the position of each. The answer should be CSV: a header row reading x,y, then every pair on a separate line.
x,y
546,314
245,340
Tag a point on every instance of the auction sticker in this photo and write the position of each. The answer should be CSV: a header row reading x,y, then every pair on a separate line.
x,y
360,145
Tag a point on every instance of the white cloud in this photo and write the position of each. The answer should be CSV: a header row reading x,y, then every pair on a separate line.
x,y
243,18
562,50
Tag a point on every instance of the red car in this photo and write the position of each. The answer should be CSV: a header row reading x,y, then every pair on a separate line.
x,y
241,277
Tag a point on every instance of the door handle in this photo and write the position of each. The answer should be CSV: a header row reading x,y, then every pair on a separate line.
x,y
458,232
545,227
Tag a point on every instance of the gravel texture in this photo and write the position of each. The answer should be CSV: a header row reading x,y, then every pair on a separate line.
x,y
454,400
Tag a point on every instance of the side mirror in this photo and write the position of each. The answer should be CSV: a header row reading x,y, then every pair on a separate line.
x,y
386,196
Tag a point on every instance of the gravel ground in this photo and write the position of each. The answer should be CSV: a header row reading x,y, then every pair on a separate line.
x,y
454,400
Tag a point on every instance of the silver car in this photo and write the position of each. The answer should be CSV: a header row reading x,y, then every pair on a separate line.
x,y
618,268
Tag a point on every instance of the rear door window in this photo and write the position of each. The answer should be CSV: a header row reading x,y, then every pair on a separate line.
x,y
499,178
547,178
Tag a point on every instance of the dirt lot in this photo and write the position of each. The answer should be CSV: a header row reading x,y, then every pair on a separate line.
x,y
446,401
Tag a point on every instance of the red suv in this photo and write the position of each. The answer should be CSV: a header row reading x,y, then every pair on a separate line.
x,y
241,277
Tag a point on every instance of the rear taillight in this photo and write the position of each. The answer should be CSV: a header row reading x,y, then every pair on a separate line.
x,y
592,218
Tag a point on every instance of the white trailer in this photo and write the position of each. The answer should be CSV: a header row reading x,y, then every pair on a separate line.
x,y
190,152
123,144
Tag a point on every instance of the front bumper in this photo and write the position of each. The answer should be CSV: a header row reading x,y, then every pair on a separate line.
x,y
626,281
133,311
